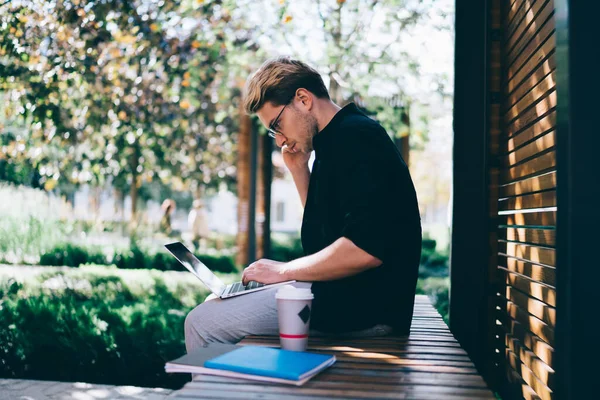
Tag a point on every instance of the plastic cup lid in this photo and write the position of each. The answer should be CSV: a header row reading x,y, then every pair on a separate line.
x,y
289,292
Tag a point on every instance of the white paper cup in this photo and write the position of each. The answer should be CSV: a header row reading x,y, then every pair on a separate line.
x,y
294,309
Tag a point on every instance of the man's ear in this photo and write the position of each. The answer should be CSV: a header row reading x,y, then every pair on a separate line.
x,y
305,97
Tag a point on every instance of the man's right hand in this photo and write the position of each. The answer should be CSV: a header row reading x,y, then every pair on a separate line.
x,y
295,161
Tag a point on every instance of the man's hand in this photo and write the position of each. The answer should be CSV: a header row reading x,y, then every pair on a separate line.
x,y
264,271
295,160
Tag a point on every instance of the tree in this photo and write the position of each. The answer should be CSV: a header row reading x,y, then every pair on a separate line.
x,y
133,91
365,50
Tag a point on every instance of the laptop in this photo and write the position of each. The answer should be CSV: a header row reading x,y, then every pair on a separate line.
x,y
212,282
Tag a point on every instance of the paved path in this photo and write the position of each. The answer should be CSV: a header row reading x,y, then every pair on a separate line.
x,y
18,389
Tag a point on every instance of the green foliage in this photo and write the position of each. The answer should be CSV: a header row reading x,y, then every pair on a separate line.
x,y
286,248
72,256
11,170
133,91
428,244
20,238
133,258
95,324
369,62
438,291
433,263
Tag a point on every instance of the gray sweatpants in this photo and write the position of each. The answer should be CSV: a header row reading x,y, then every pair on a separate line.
x,y
230,320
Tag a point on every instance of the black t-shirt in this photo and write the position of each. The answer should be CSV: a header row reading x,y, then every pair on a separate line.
x,y
360,188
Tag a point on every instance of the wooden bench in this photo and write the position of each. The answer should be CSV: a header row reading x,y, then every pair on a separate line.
x,y
428,364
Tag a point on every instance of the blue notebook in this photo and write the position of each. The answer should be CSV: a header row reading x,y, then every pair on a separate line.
x,y
271,362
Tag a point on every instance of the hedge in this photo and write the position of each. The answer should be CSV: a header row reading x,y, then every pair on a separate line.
x,y
95,324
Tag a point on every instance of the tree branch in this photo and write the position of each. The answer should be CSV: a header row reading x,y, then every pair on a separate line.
x,y
323,20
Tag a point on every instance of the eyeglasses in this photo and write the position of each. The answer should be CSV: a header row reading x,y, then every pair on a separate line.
x,y
271,131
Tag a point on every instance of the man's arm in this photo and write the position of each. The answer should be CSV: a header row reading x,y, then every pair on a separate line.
x,y
301,179
340,259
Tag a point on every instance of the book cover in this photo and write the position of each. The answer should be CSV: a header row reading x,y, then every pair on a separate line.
x,y
271,362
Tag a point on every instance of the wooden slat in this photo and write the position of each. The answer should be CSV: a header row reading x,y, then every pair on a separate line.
x,y
390,359
384,352
529,201
534,254
543,237
460,380
539,128
516,12
527,62
532,219
533,72
528,376
219,394
536,272
533,306
338,389
534,184
518,386
334,374
371,343
534,166
539,368
540,144
517,138
536,80
519,328
542,61
527,31
532,323
428,364
523,51
534,289
532,115
517,104
509,326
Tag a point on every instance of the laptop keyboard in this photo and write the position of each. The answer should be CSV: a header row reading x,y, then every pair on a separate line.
x,y
239,287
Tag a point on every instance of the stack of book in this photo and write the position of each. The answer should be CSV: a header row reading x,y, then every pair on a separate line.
x,y
253,362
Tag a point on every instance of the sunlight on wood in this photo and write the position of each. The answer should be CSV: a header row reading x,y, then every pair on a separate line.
x,y
534,95
528,376
370,355
540,182
518,75
527,357
542,143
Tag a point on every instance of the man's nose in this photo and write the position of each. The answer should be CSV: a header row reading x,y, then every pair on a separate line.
x,y
280,140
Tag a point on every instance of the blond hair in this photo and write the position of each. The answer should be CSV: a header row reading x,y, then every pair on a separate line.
x,y
277,80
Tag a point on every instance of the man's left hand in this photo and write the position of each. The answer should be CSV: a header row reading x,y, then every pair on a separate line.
x,y
265,271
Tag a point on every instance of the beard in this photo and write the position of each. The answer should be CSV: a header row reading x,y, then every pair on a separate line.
x,y
310,130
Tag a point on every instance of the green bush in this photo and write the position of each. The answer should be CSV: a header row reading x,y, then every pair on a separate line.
x,y
428,244
95,324
133,258
433,263
25,238
286,249
72,256
438,291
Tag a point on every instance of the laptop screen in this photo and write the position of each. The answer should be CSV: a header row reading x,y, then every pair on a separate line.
x,y
196,267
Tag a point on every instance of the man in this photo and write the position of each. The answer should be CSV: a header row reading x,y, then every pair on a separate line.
x,y
361,230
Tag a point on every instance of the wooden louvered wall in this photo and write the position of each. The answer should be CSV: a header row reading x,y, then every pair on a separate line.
x,y
526,196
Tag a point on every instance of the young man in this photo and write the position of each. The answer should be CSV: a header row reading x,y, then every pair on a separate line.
x,y
361,230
